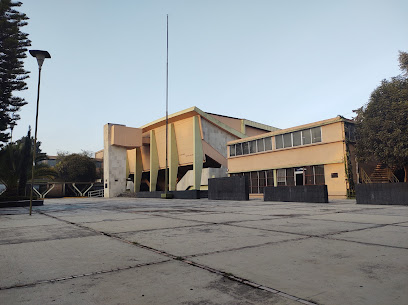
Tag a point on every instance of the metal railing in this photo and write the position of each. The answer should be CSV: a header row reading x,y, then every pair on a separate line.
x,y
391,177
97,193
364,177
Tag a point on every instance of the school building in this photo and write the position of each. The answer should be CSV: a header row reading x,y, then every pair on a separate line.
x,y
204,145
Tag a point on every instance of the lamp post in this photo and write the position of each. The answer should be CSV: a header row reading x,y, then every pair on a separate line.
x,y
40,55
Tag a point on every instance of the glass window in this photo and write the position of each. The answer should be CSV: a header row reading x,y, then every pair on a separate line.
x,y
268,143
306,137
238,149
309,175
252,147
297,138
260,143
245,148
269,178
287,140
316,135
232,150
262,181
290,176
281,176
319,174
279,141
254,183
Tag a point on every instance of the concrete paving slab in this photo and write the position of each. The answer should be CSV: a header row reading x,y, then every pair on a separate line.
x,y
388,210
17,235
304,226
25,220
389,235
360,218
322,270
104,216
36,261
140,224
161,284
205,239
219,217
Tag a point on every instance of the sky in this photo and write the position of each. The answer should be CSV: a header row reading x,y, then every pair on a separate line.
x,y
280,63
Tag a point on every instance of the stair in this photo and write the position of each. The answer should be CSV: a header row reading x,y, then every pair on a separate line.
x,y
382,174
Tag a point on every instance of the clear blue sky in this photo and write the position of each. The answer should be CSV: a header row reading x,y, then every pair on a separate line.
x,y
282,63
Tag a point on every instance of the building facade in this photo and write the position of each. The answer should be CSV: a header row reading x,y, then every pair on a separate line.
x,y
316,153
196,150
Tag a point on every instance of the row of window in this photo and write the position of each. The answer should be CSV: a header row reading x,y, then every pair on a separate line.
x,y
297,138
251,147
302,137
307,175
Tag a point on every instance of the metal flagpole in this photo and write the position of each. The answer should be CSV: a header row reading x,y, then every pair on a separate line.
x,y
166,181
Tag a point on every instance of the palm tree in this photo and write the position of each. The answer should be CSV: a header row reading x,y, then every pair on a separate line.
x,y
15,165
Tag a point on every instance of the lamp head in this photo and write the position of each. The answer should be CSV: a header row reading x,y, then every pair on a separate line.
x,y
40,55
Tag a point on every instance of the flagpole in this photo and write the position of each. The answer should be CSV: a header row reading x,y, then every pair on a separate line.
x,y
166,180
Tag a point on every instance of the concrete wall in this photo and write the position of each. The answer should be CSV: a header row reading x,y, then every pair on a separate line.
x,y
216,137
114,163
229,188
300,193
382,193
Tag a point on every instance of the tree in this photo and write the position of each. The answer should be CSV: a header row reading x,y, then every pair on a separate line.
x,y
15,165
13,46
382,124
76,167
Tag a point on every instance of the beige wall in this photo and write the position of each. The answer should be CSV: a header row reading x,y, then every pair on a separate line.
x,y
336,187
330,152
290,157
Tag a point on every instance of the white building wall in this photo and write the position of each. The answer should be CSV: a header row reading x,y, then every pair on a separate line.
x,y
114,163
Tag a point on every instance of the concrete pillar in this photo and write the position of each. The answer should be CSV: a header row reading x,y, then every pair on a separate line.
x,y
275,178
173,158
137,178
114,163
154,161
198,153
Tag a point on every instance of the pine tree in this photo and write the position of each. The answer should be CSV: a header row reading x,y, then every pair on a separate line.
x,y
13,48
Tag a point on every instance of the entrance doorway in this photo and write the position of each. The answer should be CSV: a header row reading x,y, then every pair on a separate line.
x,y
299,177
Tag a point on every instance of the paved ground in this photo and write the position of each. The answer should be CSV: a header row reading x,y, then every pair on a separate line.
x,y
154,251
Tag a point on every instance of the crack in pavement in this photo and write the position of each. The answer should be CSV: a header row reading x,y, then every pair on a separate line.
x,y
168,255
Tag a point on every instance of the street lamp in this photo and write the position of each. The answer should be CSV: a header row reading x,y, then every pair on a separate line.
x,y
40,55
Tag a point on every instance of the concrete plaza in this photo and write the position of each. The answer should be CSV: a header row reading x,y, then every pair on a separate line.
x,y
155,251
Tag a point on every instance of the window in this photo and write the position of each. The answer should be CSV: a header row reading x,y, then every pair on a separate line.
x,y
269,177
279,141
268,143
350,131
254,183
287,140
309,175
245,148
232,150
290,176
297,138
239,149
306,137
314,174
316,135
319,174
252,147
281,176
262,181
261,146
